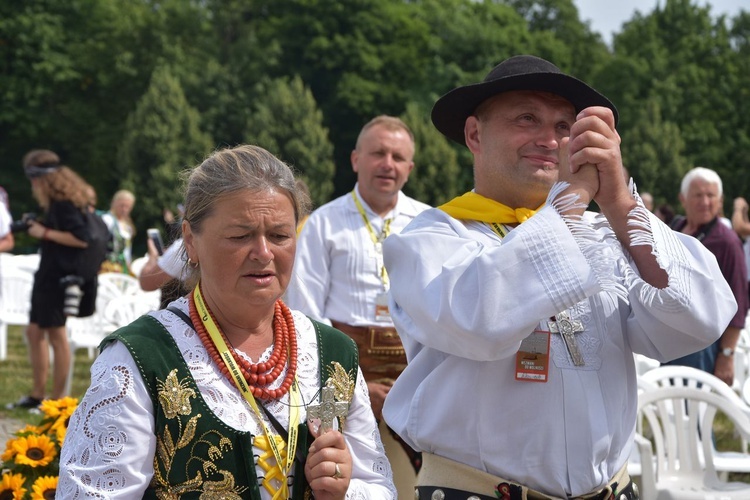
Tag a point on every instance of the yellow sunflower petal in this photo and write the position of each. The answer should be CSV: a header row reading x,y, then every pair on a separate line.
x,y
9,452
11,486
34,451
53,407
44,488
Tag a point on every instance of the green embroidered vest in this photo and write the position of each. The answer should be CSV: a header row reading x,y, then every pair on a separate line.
x,y
197,455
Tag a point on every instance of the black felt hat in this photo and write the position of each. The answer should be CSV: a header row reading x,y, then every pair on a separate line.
x,y
522,72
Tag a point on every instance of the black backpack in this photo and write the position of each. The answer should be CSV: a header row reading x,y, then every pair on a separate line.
x,y
92,256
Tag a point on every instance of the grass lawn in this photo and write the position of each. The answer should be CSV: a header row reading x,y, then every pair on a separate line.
x,y
15,375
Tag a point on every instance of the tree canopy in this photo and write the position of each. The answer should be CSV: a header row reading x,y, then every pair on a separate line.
x,y
131,92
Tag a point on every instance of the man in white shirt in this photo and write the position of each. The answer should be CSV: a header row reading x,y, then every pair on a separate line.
x,y
520,311
165,271
339,276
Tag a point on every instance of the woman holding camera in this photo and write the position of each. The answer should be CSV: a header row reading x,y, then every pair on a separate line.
x,y
63,233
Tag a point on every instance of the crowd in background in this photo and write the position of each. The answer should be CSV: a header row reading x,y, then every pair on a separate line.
x,y
447,304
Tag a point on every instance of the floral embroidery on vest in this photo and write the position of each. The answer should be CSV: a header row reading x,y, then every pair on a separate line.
x,y
175,402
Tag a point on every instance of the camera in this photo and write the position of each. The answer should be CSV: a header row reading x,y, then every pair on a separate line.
x,y
22,225
73,294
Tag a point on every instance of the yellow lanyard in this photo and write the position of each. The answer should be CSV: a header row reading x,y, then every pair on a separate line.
x,y
295,398
499,229
377,240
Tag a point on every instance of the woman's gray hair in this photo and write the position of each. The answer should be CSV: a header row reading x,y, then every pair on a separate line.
x,y
231,170
704,174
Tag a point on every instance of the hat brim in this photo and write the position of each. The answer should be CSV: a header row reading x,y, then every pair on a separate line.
x,y
450,112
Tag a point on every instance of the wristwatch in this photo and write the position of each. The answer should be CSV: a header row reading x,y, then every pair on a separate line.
x,y
727,351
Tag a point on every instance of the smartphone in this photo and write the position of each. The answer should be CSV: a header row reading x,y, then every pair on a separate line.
x,y
155,236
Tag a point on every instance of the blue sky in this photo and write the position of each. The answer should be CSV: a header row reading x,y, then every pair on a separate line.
x,y
607,16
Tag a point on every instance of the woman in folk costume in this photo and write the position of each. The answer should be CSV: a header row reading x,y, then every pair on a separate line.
x,y
227,393
122,229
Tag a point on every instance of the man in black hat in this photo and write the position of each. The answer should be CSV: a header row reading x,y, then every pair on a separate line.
x,y
520,311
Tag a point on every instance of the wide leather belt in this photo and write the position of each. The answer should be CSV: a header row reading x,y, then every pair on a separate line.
x,y
445,479
381,354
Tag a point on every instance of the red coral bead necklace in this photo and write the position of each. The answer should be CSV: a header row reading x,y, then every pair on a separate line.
x,y
257,375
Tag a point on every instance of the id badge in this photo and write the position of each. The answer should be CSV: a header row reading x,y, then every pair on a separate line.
x,y
381,307
532,358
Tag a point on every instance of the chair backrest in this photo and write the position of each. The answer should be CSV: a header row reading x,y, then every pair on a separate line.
x,y
115,284
15,296
681,420
741,366
125,309
746,392
687,376
23,262
644,364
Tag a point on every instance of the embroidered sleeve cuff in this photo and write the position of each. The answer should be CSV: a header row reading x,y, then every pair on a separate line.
x,y
595,238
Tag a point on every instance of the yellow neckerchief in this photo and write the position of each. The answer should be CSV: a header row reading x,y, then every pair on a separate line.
x,y
473,206
377,240
294,398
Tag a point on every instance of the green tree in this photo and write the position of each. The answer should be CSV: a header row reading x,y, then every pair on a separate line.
x,y
286,121
437,176
233,56
653,153
162,137
560,36
71,72
687,62
359,58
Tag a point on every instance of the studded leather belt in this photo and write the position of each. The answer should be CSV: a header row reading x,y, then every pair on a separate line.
x,y
630,492
381,355
445,479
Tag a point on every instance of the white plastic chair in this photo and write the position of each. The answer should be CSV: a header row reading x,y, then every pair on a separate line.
x,y
686,376
681,419
88,332
85,333
111,314
15,302
746,392
115,284
741,366
125,309
676,375
644,363
634,461
25,262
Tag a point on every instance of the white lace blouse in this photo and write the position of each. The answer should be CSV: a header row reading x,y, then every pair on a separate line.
x,y
110,444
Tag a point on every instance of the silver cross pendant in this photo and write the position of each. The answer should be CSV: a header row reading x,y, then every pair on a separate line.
x,y
328,409
567,328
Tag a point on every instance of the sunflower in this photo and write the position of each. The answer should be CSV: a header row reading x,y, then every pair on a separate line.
x,y
44,488
55,407
35,451
9,454
59,425
11,487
